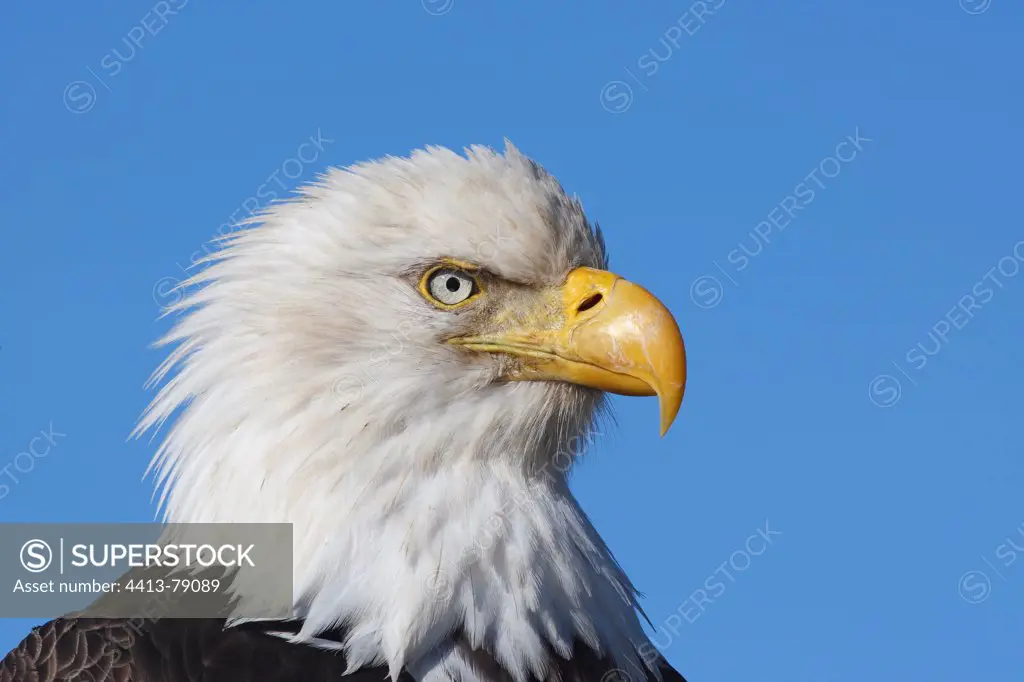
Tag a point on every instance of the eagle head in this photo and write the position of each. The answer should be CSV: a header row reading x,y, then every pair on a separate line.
x,y
393,362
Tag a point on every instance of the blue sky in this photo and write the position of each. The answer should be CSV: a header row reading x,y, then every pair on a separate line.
x,y
825,194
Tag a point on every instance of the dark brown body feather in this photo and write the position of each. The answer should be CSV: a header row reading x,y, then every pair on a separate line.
x,y
203,650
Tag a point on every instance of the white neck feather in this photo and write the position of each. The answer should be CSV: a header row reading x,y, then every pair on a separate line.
x,y
415,538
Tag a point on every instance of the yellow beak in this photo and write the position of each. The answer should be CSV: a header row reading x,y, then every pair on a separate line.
x,y
596,330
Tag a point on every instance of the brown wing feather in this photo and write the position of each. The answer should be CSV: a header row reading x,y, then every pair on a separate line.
x,y
586,665
71,649
169,650
202,650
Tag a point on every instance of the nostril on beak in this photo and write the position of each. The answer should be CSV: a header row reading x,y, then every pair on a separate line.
x,y
588,303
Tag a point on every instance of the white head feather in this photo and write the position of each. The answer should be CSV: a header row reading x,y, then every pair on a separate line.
x,y
311,388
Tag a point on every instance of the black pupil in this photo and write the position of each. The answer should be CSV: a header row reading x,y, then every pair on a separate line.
x,y
453,284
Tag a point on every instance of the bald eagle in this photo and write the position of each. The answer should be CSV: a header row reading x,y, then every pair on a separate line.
x,y
407,351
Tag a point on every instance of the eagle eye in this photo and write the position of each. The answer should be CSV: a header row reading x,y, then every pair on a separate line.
x,y
449,286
